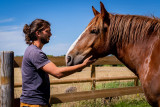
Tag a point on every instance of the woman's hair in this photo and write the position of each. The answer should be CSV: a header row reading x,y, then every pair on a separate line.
x,y
30,30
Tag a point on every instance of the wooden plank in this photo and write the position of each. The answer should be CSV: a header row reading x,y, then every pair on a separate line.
x,y
86,95
60,61
18,61
7,79
67,81
108,60
91,79
93,76
17,102
77,96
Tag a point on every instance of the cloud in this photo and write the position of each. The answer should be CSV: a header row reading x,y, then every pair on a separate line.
x,y
12,39
6,20
10,28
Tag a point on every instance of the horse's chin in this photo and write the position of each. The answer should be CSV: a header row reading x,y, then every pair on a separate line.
x,y
93,58
79,59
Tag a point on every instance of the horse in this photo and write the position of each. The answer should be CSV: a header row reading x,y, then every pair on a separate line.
x,y
133,39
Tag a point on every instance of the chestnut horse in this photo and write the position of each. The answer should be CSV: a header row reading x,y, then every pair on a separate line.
x,y
134,40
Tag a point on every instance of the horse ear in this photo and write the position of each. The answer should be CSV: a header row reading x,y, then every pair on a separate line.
x,y
104,13
95,11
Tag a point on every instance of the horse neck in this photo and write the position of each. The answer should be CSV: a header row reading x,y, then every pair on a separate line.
x,y
134,55
132,42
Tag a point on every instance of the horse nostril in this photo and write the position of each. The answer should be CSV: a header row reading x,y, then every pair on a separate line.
x,y
68,59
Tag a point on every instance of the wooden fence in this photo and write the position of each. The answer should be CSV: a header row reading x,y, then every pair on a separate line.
x,y
8,62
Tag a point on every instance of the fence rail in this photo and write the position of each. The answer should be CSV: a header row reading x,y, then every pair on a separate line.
x,y
77,96
60,61
85,95
68,81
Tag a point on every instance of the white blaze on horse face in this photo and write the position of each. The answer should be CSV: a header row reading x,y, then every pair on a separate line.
x,y
75,42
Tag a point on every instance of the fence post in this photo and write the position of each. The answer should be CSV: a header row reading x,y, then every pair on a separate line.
x,y
7,79
136,82
93,76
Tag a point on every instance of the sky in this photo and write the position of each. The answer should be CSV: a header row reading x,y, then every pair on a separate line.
x,y
68,19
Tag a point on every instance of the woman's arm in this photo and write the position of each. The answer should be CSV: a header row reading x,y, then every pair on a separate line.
x,y
60,72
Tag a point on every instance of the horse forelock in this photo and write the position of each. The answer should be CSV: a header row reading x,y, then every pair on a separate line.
x,y
131,28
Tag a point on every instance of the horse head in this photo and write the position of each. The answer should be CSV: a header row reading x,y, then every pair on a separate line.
x,y
133,39
93,40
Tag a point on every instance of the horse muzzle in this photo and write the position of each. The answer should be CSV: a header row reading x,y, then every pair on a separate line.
x,y
71,60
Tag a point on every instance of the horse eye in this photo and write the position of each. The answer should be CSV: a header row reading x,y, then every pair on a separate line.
x,y
94,31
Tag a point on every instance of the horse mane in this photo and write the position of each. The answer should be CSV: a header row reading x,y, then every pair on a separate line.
x,y
132,28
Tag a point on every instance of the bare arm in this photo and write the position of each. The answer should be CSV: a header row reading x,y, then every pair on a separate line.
x,y
59,72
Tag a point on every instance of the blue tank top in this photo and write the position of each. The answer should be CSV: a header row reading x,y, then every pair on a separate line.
x,y
35,81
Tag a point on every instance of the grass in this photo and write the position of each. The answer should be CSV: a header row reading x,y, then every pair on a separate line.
x,y
131,103
116,103
115,84
117,65
136,100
